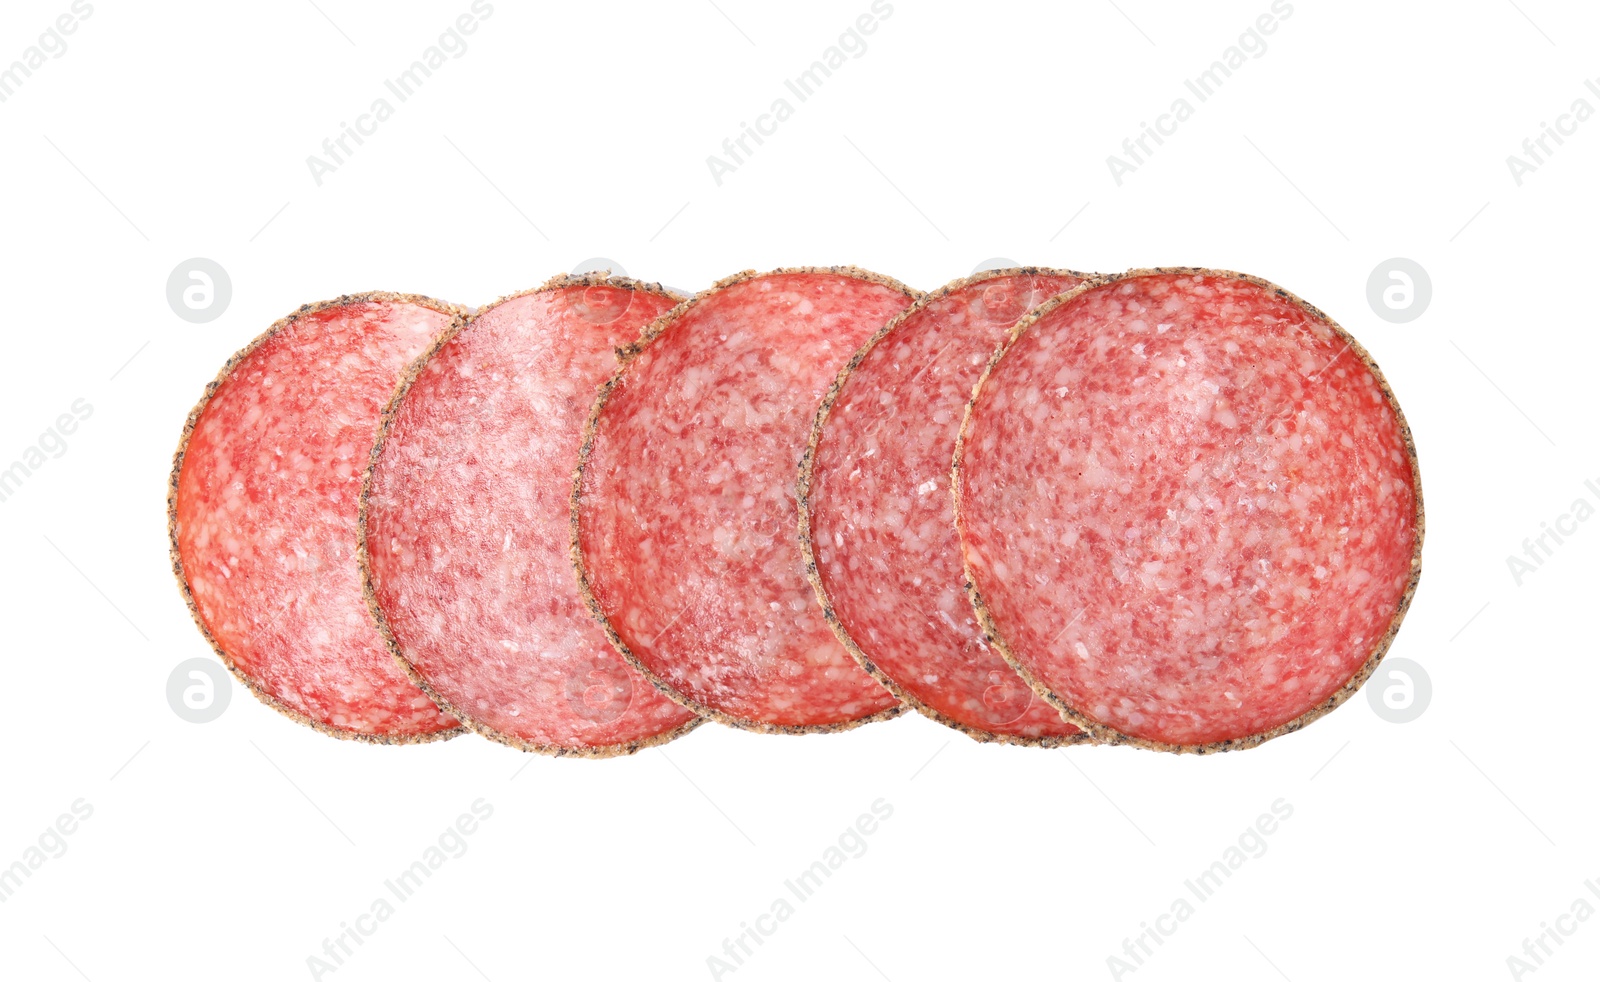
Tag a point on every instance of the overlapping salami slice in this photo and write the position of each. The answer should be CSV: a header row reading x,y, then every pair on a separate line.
x,y
684,505
466,517
1189,509
876,517
262,512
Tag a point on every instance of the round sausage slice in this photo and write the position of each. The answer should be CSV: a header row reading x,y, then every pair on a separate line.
x,y
876,516
684,507
262,511
465,518
1189,508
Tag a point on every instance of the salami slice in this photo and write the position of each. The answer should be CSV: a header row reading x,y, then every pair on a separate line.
x,y
876,521
1189,508
465,524
262,509
683,506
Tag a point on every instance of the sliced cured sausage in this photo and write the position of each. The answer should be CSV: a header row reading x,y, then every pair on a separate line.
x,y
876,511
466,516
684,506
1189,508
262,511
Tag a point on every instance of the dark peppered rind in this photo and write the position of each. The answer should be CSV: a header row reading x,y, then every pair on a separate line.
x,y
1098,730
457,314
803,494
364,555
626,355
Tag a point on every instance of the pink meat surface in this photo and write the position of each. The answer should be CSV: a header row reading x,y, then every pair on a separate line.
x,y
1188,506
468,525
882,523
266,513
687,512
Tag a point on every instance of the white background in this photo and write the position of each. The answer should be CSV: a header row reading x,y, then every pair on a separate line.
x,y
1367,130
